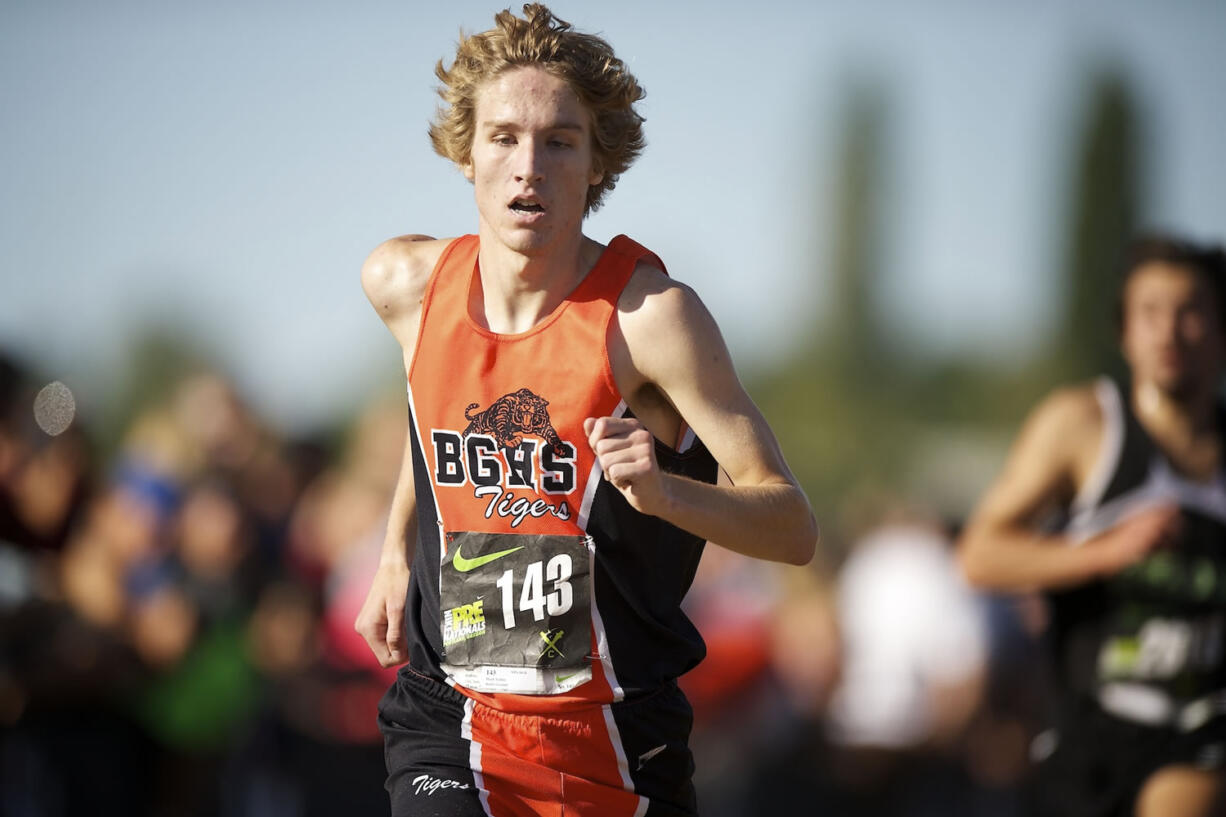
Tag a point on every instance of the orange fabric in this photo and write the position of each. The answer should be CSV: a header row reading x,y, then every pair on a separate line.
x,y
461,369
521,756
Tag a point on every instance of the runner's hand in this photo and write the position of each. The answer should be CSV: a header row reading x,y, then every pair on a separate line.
x,y
627,455
381,620
1136,537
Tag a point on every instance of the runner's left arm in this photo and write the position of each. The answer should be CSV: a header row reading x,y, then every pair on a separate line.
x,y
676,347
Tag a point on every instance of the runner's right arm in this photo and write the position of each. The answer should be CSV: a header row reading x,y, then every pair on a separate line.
x,y
394,278
1002,547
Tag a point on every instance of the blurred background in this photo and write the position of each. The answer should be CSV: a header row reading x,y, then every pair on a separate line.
x,y
905,217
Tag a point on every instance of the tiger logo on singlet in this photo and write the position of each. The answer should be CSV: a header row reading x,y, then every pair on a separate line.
x,y
512,416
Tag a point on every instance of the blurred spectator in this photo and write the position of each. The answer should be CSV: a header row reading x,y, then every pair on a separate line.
x,y
176,635
915,668
915,640
881,728
133,664
1000,736
790,770
732,602
44,477
806,647
64,667
316,750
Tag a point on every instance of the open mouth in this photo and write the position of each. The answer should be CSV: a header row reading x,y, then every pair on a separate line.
x,y
526,206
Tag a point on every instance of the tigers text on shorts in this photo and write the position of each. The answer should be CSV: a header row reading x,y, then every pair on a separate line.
x,y
451,756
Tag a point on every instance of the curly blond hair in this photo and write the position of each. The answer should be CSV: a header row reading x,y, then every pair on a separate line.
x,y
583,61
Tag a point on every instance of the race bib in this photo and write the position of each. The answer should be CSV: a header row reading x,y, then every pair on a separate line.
x,y
516,611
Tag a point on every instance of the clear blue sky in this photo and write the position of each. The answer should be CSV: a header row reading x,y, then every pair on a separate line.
x,y
225,167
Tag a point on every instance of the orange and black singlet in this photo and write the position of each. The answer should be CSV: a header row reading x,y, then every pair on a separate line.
x,y
535,586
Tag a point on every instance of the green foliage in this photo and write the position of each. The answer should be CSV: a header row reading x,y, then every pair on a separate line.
x,y
202,702
158,358
857,415
1104,199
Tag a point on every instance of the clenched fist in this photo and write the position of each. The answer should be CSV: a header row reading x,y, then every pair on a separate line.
x,y
626,451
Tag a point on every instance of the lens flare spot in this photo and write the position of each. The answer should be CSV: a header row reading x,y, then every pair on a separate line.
x,y
54,408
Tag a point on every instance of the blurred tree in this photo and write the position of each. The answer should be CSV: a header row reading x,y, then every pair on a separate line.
x,y
158,358
1104,201
854,343
832,401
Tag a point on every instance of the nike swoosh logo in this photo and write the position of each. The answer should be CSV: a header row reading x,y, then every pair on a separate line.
x,y
464,565
560,679
646,756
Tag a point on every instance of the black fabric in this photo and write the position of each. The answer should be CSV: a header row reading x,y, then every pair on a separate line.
x,y
1136,453
1100,762
644,568
655,731
429,773
422,615
1184,583
1158,624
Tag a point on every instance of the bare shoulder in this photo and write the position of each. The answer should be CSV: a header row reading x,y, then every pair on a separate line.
x,y
1069,413
1058,444
669,339
655,307
395,275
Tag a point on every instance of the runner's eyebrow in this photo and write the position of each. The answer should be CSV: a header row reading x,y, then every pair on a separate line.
x,y
506,124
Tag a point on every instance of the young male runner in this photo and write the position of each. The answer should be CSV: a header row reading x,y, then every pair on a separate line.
x,y
569,407
1136,574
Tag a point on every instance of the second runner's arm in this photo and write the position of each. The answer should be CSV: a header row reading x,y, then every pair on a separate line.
x,y
1002,547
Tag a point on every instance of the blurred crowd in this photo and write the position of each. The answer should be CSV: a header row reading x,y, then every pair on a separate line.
x,y
176,621
176,635
881,686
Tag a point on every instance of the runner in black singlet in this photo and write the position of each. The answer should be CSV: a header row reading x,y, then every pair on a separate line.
x,y
1136,576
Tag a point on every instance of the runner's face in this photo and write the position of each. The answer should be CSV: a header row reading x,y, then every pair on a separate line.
x,y
1172,337
531,159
